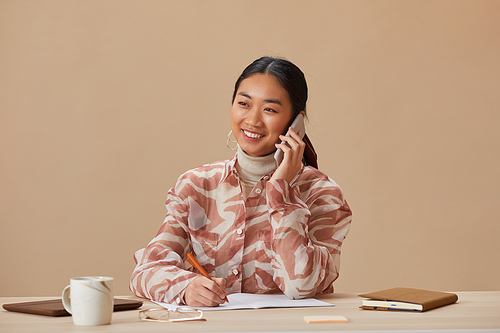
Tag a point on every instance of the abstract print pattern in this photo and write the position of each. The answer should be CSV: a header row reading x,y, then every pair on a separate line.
x,y
282,238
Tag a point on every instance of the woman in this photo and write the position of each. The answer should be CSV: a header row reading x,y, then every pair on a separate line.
x,y
253,226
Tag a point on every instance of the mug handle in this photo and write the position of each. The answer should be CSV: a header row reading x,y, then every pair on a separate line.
x,y
65,299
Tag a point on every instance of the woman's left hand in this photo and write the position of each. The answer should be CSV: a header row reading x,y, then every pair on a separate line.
x,y
293,150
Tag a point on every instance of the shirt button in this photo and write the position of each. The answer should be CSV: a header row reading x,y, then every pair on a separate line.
x,y
235,271
258,191
266,177
239,231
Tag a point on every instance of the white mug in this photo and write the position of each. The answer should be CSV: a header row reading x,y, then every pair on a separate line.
x,y
91,300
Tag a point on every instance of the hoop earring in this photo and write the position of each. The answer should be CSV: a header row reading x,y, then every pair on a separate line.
x,y
232,141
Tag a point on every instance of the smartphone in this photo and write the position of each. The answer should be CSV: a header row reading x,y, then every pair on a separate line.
x,y
300,128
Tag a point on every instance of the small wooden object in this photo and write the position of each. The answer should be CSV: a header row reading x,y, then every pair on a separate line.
x,y
325,319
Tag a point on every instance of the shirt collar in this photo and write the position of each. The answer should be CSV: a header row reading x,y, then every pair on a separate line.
x,y
230,167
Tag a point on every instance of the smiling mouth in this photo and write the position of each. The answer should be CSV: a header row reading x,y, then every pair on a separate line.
x,y
252,135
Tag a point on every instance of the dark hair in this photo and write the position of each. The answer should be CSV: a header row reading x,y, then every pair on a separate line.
x,y
290,77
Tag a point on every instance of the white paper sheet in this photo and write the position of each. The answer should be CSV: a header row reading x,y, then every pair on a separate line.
x,y
256,301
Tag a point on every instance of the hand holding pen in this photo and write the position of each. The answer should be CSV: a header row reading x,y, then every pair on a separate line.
x,y
204,291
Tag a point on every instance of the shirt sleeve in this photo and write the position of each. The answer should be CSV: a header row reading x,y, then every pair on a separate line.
x,y
309,221
159,274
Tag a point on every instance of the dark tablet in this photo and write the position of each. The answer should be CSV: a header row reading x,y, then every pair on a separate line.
x,y
55,308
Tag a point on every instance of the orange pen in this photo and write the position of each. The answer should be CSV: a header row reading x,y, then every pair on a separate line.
x,y
197,265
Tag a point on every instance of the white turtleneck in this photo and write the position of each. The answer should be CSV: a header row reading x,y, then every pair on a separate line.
x,y
252,169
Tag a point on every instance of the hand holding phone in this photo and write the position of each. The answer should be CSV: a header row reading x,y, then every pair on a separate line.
x,y
300,128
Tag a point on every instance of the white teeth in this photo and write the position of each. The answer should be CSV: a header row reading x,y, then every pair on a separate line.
x,y
252,135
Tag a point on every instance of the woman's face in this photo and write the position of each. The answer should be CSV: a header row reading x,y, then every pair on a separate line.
x,y
261,112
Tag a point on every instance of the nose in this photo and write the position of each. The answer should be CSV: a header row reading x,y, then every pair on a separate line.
x,y
253,117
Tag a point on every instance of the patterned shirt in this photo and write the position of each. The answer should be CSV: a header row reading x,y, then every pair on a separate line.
x,y
282,238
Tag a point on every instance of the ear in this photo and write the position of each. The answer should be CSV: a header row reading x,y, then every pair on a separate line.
x,y
303,113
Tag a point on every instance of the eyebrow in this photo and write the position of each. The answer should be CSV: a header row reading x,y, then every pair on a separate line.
x,y
274,101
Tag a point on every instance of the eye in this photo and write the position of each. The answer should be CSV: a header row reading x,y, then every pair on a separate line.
x,y
270,110
242,103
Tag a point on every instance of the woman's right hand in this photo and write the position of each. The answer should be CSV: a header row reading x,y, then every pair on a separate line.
x,y
205,292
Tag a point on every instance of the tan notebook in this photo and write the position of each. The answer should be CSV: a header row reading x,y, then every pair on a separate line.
x,y
55,308
408,299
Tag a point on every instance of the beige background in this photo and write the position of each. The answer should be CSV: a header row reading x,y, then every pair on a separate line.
x,y
105,103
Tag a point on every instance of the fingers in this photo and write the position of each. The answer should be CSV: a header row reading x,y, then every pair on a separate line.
x,y
293,138
293,146
205,292
221,284
293,149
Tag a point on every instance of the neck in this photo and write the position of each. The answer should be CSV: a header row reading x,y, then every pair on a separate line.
x,y
257,167
252,169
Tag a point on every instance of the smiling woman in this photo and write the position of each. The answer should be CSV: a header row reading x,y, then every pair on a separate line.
x,y
254,227
260,114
